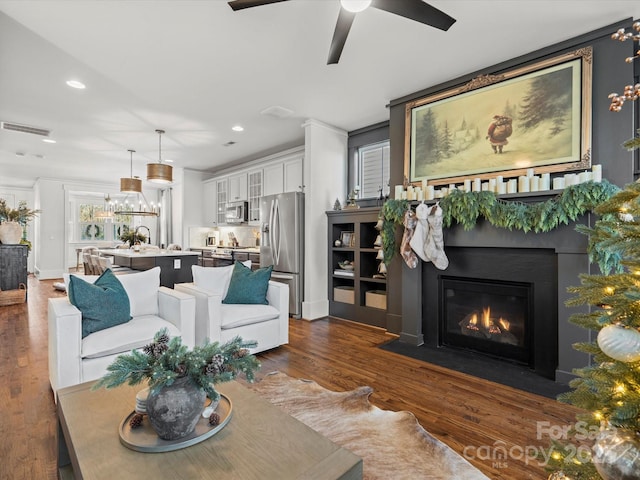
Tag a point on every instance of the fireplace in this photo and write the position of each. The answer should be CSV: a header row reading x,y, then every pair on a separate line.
x,y
501,303
487,316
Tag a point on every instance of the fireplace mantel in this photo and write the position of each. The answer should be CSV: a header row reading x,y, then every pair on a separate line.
x,y
572,260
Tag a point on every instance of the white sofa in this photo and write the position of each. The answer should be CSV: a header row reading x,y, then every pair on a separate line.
x,y
268,325
74,360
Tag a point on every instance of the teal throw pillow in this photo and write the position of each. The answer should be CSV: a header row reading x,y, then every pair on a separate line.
x,y
248,286
103,304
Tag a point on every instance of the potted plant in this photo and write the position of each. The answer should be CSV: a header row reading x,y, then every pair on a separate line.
x,y
180,378
13,221
132,237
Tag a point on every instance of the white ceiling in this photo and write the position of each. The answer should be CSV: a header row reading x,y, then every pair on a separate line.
x,y
195,68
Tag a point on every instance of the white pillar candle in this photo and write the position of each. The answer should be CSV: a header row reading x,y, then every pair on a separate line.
x,y
419,194
545,181
424,184
529,172
431,192
467,185
502,188
485,186
492,185
403,195
582,177
398,192
558,183
523,184
410,193
477,185
570,179
534,183
452,186
596,171
512,186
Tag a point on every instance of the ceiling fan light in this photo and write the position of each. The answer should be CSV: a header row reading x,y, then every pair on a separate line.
x,y
355,6
159,173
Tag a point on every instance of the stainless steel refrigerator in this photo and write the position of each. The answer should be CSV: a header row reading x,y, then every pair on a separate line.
x,y
282,243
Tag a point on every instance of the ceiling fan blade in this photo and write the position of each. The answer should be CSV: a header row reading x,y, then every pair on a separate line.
x,y
343,25
242,4
416,10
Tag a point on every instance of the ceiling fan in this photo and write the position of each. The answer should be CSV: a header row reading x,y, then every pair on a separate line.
x,y
412,9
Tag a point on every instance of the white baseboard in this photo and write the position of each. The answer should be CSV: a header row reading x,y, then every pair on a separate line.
x,y
315,310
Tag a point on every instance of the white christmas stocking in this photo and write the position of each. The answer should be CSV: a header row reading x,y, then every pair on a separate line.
x,y
422,229
434,246
405,248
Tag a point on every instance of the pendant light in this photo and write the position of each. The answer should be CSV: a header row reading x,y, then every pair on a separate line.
x,y
131,184
159,172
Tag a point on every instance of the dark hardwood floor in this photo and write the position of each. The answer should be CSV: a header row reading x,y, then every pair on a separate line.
x,y
473,416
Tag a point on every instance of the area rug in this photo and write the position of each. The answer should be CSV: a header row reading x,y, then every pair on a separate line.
x,y
391,444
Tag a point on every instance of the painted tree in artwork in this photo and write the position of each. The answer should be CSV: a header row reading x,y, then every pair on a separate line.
x,y
446,141
605,442
427,144
547,99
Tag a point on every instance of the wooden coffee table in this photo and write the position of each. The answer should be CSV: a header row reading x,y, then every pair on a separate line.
x,y
260,442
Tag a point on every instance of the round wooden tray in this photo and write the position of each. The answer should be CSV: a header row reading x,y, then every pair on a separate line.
x,y
145,439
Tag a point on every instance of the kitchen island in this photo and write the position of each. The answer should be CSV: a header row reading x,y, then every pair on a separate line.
x,y
175,265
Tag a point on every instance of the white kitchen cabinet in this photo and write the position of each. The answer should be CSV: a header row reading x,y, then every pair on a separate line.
x,y
273,179
254,179
293,175
237,187
222,186
210,202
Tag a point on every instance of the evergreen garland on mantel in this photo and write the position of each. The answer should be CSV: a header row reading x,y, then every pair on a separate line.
x,y
466,207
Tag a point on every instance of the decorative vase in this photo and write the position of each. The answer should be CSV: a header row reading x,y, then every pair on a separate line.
x,y
616,454
10,233
174,410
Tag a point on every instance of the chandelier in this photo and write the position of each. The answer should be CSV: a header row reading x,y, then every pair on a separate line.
x,y
138,206
159,172
107,212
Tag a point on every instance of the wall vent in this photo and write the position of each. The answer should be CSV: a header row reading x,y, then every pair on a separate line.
x,y
16,127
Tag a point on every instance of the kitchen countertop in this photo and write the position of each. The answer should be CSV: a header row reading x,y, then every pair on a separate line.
x,y
215,249
128,253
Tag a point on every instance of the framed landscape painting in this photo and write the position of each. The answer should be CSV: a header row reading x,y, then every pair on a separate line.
x,y
535,116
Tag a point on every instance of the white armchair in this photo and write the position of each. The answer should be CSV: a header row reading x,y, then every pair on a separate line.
x,y
266,324
74,360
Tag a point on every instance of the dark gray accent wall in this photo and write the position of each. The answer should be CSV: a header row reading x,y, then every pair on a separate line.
x,y
609,130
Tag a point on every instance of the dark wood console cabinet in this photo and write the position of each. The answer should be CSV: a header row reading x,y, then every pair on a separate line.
x,y
13,266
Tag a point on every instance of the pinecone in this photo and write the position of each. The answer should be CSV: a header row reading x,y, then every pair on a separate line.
x,y
243,352
136,420
163,339
214,419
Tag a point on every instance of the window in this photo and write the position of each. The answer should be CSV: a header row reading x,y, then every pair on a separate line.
x,y
93,225
373,169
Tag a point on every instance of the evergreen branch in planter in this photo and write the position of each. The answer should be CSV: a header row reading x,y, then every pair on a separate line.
x,y
465,208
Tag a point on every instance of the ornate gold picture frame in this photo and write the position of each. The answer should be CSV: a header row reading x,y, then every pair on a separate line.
x,y
535,116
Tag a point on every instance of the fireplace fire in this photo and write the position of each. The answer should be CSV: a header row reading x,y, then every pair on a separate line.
x,y
483,325
487,316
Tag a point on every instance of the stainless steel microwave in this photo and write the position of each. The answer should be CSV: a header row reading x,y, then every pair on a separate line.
x,y
236,212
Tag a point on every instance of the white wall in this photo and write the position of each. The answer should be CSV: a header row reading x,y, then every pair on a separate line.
x,y
325,179
192,204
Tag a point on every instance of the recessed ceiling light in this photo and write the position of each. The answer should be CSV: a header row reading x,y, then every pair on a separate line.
x,y
76,84
237,128
48,140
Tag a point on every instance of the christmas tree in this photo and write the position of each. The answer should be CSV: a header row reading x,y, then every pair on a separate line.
x,y
605,441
